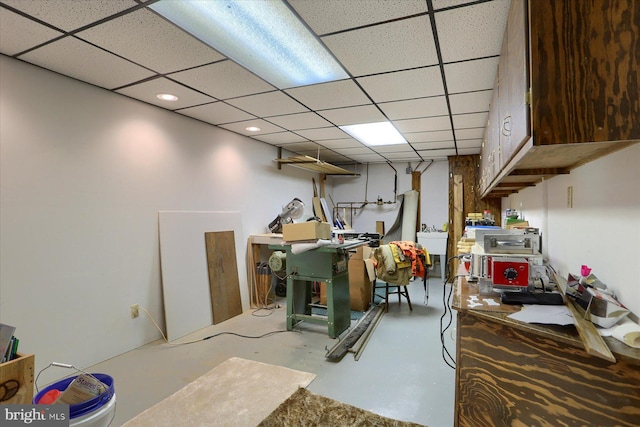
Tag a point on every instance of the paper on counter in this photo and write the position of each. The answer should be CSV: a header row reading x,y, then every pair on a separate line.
x,y
628,332
545,314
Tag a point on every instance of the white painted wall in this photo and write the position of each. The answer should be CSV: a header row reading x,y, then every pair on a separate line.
x,y
602,230
378,181
83,175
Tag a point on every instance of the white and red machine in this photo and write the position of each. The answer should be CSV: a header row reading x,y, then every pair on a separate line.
x,y
505,259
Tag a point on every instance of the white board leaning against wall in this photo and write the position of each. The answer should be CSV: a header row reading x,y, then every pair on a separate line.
x,y
185,276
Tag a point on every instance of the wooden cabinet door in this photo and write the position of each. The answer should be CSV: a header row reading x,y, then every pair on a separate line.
x,y
514,82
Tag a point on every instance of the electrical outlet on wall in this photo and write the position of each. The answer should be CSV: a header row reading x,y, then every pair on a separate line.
x,y
135,311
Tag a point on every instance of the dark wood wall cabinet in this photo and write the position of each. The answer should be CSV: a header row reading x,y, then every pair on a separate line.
x,y
566,93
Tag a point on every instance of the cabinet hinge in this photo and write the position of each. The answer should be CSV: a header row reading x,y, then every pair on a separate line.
x,y
527,97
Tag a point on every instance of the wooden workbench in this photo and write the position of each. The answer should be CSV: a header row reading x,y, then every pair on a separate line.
x,y
510,373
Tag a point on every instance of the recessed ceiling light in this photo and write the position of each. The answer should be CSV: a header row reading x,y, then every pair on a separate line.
x,y
380,133
167,97
266,37
253,128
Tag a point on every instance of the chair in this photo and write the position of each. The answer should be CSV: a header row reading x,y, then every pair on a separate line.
x,y
395,283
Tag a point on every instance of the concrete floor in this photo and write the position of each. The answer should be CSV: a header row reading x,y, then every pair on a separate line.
x,y
400,373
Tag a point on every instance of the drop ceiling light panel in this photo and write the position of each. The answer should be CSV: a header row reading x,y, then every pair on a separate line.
x,y
353,115
328,16
268,104
343,93
20,34
82,61
216,113
386,47
151,41
147,91
300,121
402,85
414,108
241,127
223,80
71,15
458,30
471,75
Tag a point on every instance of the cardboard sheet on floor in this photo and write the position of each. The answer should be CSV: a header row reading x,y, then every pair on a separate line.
x,y
185,276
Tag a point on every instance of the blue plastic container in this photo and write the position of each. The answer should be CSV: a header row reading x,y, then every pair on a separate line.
x,y
83,408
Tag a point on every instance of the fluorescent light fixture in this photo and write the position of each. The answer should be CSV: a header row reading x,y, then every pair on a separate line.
x,y
167,97
264,36
372,134
253,128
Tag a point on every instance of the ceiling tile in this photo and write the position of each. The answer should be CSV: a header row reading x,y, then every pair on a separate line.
x,y
368,158
241,127
433,154
400,148
469,133
343,93
223,80
280,138
20,33
327,16
216,113
427,124
300,121
468,151
468,76
402,85
70,15
440,4
442,135
151,41
469,143
406,156
414,108
472,120
322,134
147,91
387,47
472,102
268,104
308,146
82,61
341,143
356,150
353,115
421,146
473,31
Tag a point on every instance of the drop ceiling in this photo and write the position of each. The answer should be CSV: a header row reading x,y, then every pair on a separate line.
x,y
428,66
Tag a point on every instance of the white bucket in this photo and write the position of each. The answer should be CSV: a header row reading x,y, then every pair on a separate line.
x,y
100,418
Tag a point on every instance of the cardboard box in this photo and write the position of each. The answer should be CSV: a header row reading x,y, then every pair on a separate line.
x,y
362,252
361,277
302,231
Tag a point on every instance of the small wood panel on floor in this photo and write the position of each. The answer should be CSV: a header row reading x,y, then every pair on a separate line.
x,y
223,275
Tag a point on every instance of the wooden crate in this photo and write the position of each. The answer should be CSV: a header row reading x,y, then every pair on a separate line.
x,y
17,373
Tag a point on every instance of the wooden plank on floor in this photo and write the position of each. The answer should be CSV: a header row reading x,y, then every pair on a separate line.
x,y
223,275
